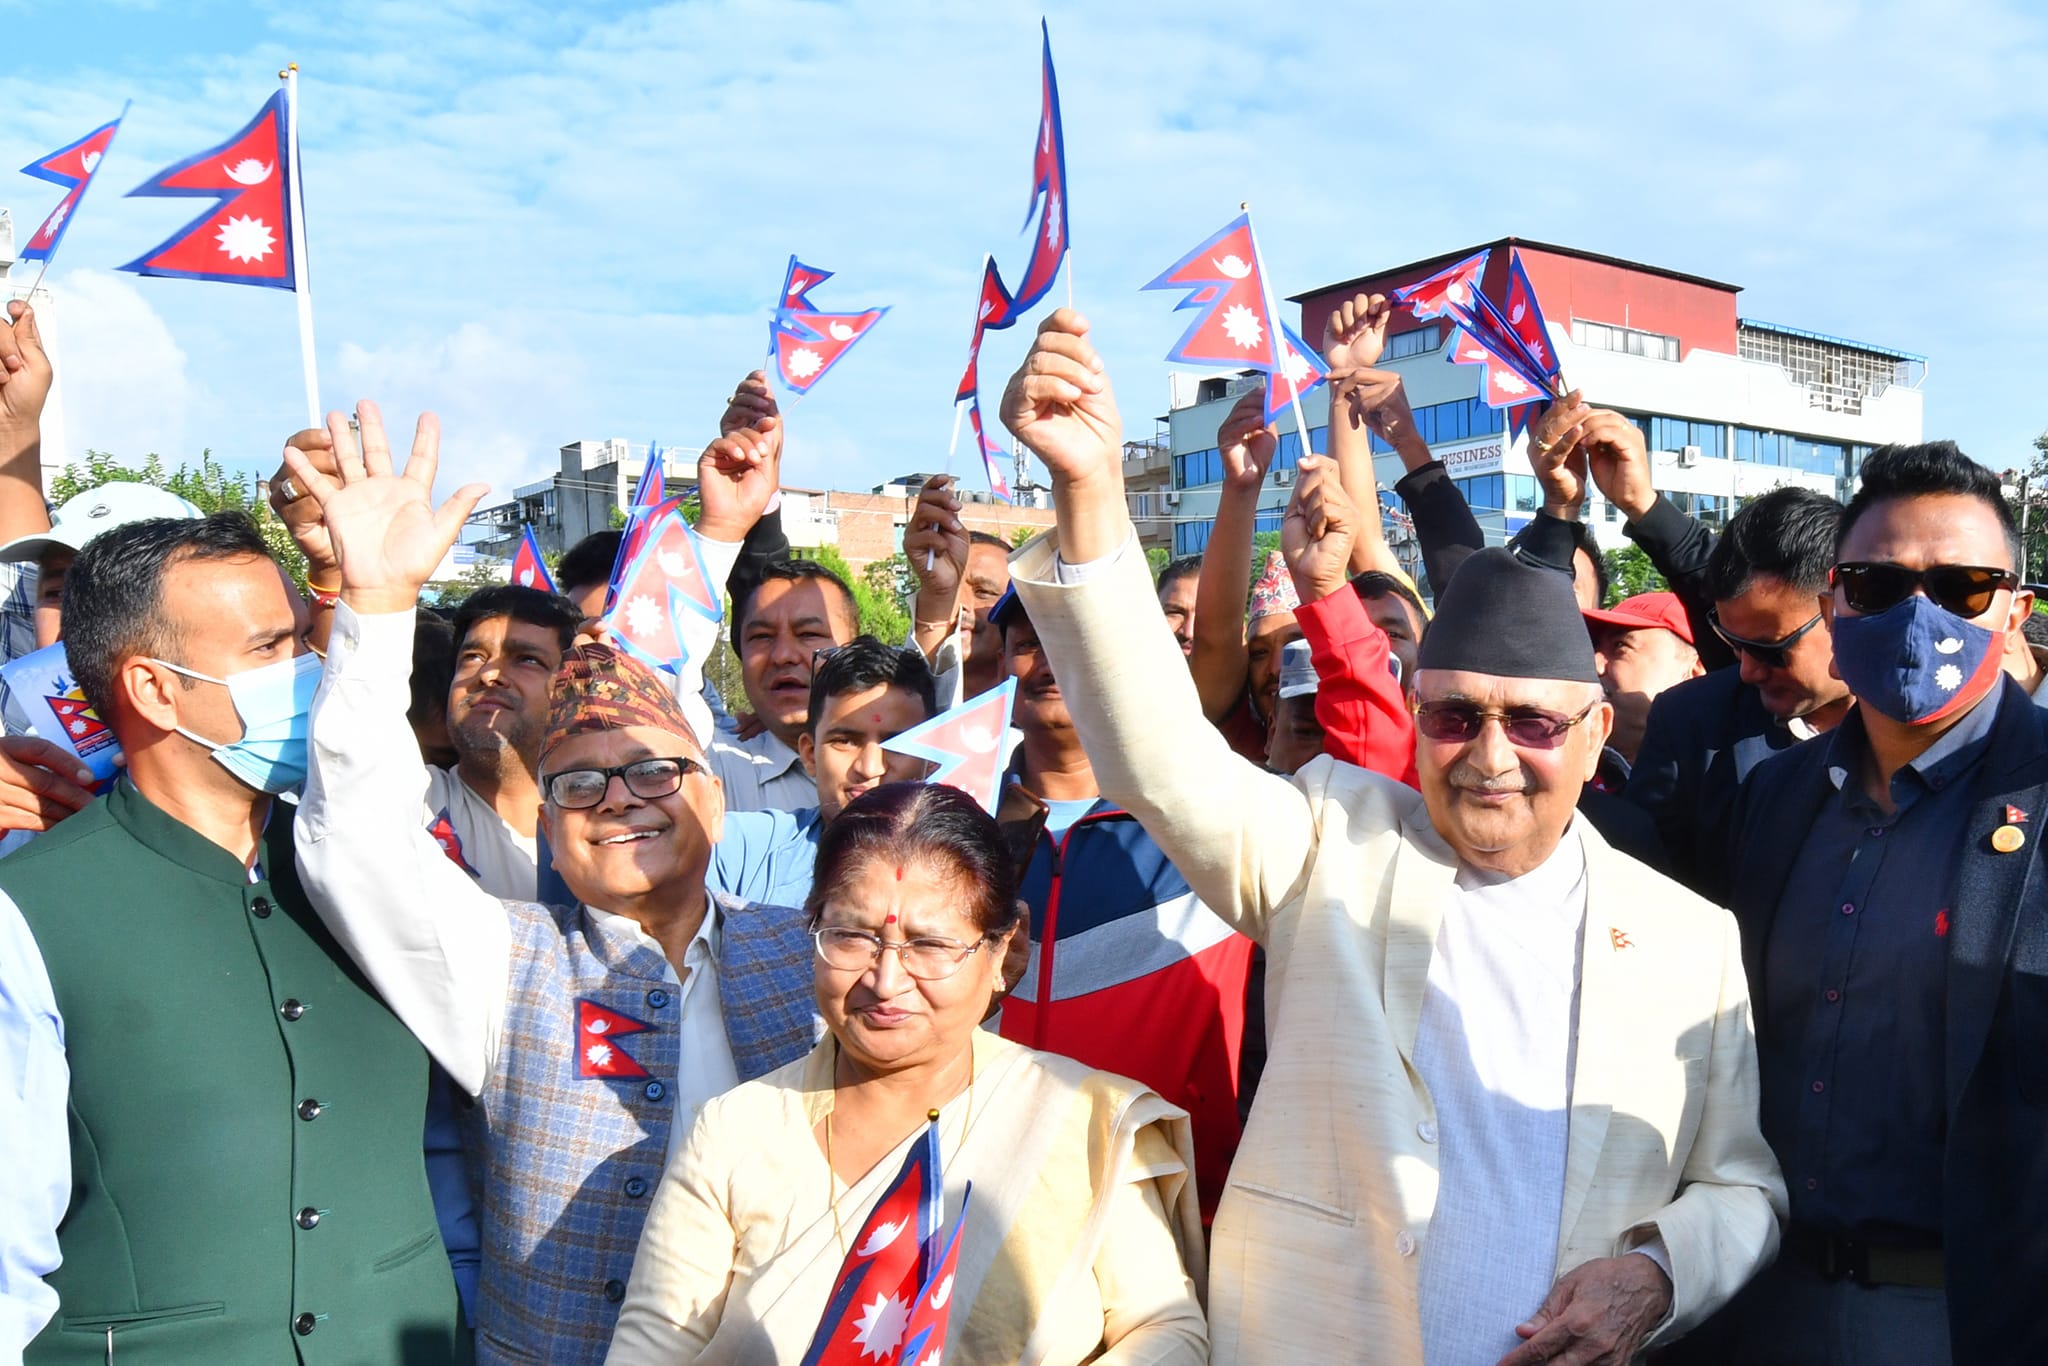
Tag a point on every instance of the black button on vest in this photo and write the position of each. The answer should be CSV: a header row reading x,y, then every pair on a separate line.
x,y
308,1217
261,909
615,1291
309,1109
636,1186
654,1090
291,1010
304,1324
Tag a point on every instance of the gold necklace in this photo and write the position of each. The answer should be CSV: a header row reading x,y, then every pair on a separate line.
x,y
832,1196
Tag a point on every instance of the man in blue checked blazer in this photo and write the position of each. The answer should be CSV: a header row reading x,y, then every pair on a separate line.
x,y
588,1034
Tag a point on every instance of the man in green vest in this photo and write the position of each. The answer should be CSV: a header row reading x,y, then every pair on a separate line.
x,y
209,1124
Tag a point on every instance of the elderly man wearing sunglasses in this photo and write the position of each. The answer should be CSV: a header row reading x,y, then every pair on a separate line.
x,y
1895,922
1508,1111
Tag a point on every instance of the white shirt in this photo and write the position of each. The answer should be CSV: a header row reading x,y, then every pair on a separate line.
x,y
502,860
704,1062
1494,1047
761,774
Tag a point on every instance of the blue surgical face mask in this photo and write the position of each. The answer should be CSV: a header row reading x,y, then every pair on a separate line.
x,y
1916,662
275,703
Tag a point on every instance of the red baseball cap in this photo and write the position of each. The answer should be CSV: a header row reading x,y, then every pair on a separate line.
x,y
1646,611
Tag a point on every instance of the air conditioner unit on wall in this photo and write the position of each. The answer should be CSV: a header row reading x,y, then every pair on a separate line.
x,y
1688,457
1283,477
1173,498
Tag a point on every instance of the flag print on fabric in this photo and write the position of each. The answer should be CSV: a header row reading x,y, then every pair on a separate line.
x,y
71,167
1048,190
529,570
809,344
1221,278
443,831
246,237
991,454
966,743
83,729
598,1052
665,580
883,1296
1449,289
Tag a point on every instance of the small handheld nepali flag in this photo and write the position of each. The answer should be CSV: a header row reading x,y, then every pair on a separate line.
x,y
1048,189
1450,288
803,342
1510,343
245,238
966,742
991,453
896,1284
1236,327
648,495
664,581
529,570
71,167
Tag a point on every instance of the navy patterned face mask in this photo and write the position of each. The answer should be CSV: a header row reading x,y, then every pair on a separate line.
x,y
1916,662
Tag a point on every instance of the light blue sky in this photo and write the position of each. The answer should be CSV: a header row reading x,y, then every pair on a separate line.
x,y
553,222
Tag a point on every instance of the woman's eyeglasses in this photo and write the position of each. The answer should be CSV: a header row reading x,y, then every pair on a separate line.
x,y
578,789
1871,586
928,958
1769,654
1526,727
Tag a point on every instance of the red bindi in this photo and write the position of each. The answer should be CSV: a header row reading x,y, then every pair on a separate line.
x,y
899,873
890,921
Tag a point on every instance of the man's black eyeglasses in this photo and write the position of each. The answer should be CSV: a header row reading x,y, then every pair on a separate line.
x,y
578,789
1770,654
1966,589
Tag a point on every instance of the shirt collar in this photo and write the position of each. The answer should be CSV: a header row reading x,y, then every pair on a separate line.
x,y
1549,883
1947,759
703,946
777,758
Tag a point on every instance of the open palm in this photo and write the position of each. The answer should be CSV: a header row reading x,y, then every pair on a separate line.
x,y
387,534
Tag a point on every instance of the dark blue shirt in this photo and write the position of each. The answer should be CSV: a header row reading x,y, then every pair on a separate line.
x,y
1851,1038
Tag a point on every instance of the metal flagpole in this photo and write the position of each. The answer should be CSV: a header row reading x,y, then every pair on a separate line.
x,y
301,272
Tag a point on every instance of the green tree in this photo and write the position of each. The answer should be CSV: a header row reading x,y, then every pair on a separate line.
x,y
211,487
448,592
1022,534
882,613
2032,509
1630,572
1156,559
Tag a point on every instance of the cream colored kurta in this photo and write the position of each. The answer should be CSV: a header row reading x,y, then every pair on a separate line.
x,y
1081,1221
1339,874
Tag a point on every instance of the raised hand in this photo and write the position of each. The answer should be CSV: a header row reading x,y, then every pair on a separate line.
x,y
386,532
299,510
935,542
1317,532
1619,460
1369,397
753,414
1059,404
736,479
1555,458
1246,443
1355,334
24,371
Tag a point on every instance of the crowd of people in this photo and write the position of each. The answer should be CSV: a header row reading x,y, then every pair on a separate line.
x,y
1474,972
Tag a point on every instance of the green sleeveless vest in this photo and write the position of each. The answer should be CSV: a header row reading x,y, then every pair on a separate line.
x,y
247,1186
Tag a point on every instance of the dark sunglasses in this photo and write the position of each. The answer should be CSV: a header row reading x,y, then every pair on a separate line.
x,y
1526,727
1966,589
579,789
1770,654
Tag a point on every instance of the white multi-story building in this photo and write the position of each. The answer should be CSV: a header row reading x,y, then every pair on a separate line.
x,y
1731,407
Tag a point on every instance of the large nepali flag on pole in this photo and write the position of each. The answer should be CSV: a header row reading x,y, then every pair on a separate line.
x,y
1235,326
71,167
895,1286
246,237
1048,190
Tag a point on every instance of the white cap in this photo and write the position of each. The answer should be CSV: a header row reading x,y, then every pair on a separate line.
x,y
1297,670
102,509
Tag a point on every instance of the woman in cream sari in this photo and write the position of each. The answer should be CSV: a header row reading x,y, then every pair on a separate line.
x,y
1082,1229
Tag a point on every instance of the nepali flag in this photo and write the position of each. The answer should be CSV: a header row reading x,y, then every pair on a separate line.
x,y
966,742
598,1054
797,284
664,581
991,454
886,1273
246,237
71,167
648,495
1520,366
1300,366
1236,326
924,1333
806,345
1448,289
992,311
529,570
1048,188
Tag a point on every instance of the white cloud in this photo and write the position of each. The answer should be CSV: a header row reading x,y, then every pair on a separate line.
x,y
122,375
